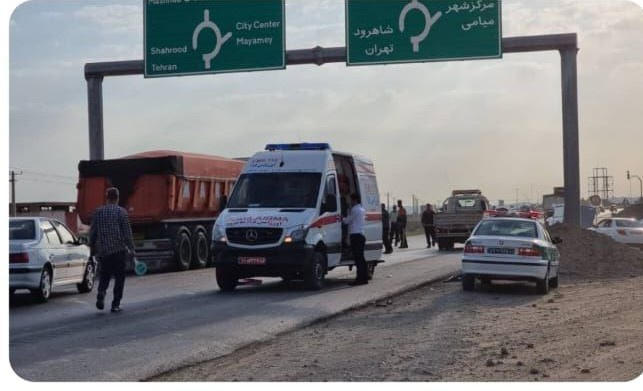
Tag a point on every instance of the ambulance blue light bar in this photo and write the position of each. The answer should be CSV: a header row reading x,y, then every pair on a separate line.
x,y
298,147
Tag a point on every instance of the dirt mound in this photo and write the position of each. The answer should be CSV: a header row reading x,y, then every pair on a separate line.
x,y
635,211
587,255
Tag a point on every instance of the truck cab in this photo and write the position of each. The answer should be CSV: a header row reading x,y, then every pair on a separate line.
x,y
284,216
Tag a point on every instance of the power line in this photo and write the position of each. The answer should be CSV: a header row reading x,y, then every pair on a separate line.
x,y
40,173
49,181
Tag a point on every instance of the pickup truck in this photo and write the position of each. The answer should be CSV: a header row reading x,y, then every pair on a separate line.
x,y
458,217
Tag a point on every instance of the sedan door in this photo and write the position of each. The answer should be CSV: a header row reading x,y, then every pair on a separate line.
x,y
54,252
76,252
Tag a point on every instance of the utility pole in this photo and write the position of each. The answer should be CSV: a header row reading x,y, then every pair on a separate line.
x,y
388,200
12,179
640,183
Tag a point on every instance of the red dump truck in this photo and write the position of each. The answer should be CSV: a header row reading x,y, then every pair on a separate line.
x,y
172,199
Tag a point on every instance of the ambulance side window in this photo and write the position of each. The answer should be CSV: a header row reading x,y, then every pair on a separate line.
x,y
329,202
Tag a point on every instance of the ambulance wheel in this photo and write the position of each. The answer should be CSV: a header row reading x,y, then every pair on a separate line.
x,y
183,251
370,269
314,273
200,250
227,279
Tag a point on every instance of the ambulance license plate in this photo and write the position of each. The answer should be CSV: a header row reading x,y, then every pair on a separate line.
x,y
252,260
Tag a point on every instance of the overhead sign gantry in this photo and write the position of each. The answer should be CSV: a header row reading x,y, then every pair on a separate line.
x,y
417,27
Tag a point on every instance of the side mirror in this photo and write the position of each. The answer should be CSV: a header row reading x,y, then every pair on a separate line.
x,y
556,240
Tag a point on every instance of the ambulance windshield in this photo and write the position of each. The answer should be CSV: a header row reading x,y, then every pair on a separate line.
x,y
276,190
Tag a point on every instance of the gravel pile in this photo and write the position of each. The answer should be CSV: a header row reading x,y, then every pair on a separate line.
x,y
587,255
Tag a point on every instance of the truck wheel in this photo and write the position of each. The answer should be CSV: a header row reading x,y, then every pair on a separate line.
x,y
441,244
183,251
200,250
468,282
43,292
314,273
227,279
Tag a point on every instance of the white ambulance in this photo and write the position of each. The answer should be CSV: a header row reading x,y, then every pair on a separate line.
x,y
284,216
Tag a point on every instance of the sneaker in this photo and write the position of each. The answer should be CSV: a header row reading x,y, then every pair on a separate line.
x,y
100,301
116,309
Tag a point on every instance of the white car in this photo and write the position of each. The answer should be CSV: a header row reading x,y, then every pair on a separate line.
x,y
511,248
44,254
622,230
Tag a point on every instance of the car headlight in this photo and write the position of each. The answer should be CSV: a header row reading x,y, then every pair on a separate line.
x,y
298,235
217,234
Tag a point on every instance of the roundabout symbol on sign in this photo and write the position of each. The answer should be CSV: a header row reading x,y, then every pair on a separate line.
x,y
208,24
428,22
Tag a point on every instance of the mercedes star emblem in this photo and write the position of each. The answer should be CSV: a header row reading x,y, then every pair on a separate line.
x,y
252,235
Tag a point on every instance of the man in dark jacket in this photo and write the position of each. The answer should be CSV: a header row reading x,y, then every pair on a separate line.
x,y
401,224
427,223
111,240
386,238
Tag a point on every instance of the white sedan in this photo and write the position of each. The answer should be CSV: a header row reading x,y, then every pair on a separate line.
x,y
622,230
44,254
511,248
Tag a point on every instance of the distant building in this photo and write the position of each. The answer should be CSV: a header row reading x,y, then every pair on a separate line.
x,y
63,211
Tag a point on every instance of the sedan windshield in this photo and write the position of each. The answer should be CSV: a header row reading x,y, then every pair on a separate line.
x,y
276,190
523,229
22,230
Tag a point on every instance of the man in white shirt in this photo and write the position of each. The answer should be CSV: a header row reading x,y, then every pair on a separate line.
x,y
355,221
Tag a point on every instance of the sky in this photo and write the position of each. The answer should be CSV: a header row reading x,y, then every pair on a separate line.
x,y
494,125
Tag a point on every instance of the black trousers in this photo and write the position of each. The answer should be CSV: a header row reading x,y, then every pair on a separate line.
x,y
403,243
113,265
386,239
395,233
357,246
429,232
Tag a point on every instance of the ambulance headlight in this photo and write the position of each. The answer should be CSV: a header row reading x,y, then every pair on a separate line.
x,y
298,235
217,234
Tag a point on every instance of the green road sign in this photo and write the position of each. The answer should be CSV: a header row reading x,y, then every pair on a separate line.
x,y
398,31
187,37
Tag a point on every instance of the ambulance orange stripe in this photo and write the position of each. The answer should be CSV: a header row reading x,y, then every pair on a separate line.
x,y
326,220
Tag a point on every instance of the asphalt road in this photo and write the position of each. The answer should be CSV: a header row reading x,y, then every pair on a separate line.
x,y
176,319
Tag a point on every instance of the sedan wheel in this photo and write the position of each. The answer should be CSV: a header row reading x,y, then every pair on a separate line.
x,y
88,280
543,285
468,282
44,291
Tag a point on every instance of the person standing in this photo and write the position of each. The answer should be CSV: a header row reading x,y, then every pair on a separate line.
x,y
111,240
386,239
429,227
401,224
355,221
394,232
